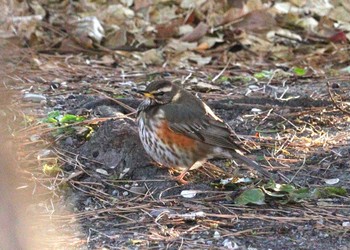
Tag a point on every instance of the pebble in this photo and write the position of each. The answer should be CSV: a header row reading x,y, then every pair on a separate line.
x,y
35,138
69,141
139,190
216,235
44,153
101,171
125,193
31,97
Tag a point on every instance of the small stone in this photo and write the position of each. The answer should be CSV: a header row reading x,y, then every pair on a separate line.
x,y
125,193
216,235
44,153
102,171
139,190
35,138
31,97
346,224
69,141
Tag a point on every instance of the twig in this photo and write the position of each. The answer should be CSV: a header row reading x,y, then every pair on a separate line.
x,y
334,101
222,71
116,101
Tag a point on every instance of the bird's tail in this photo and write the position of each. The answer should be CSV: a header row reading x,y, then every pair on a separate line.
x,y
251,163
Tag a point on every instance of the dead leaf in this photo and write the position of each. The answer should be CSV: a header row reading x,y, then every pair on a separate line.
x,y
152,57
86,31
115,37
196,34
142,4
259,20
205,87
180,46
200,60
168,30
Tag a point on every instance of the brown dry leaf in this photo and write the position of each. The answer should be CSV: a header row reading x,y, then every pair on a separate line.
x,y
340,14
164,14
142,4
115,37
118,13
152,57
38,9
27,27
320,7
127,3
208,42
203,46
197,33
190,4
232,15
259,20
205,87
86,31
105,60
168,30
213,12
253,5
283,34
183,59
200,60
51,65
185,29
308,23
181,46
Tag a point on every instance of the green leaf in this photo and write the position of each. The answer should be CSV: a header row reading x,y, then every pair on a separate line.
x,y
118,96
300,194
53,114
263,74
51,170
251,196
288,188
326,192
299,71
52,117
68,118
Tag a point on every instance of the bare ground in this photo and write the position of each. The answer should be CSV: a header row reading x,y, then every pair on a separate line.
x,y
109,195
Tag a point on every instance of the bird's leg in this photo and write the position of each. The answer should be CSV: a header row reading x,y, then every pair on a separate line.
x,y
180,178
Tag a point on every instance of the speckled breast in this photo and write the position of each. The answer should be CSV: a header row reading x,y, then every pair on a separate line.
x,y
162,144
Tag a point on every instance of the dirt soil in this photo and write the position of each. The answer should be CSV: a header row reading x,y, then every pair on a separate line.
x,y
110,195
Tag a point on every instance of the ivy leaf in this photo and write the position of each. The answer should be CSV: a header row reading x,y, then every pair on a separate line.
x,y
299,71
68,118
251,196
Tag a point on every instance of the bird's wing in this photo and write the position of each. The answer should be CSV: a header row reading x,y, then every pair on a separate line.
x,y
200,123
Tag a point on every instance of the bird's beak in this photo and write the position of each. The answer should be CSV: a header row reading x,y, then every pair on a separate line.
x,y
146,94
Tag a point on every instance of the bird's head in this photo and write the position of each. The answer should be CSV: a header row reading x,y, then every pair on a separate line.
x,y
161,92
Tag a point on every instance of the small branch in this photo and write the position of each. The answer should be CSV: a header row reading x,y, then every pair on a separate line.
x,y
335,102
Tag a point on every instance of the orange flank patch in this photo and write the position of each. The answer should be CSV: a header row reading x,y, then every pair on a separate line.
x,y
170,137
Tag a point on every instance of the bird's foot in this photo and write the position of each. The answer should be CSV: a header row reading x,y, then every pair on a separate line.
x,y
180,178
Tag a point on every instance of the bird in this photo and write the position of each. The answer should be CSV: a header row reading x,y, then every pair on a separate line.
x,y
177,129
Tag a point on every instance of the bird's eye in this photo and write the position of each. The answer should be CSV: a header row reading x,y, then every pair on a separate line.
x,y
160,93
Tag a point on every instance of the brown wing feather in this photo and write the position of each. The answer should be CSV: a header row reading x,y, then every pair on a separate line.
x,y
197,123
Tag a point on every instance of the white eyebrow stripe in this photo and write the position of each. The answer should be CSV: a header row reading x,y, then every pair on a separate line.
x,y
164,89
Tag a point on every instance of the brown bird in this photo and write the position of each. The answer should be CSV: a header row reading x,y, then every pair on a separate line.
x,y
178,130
